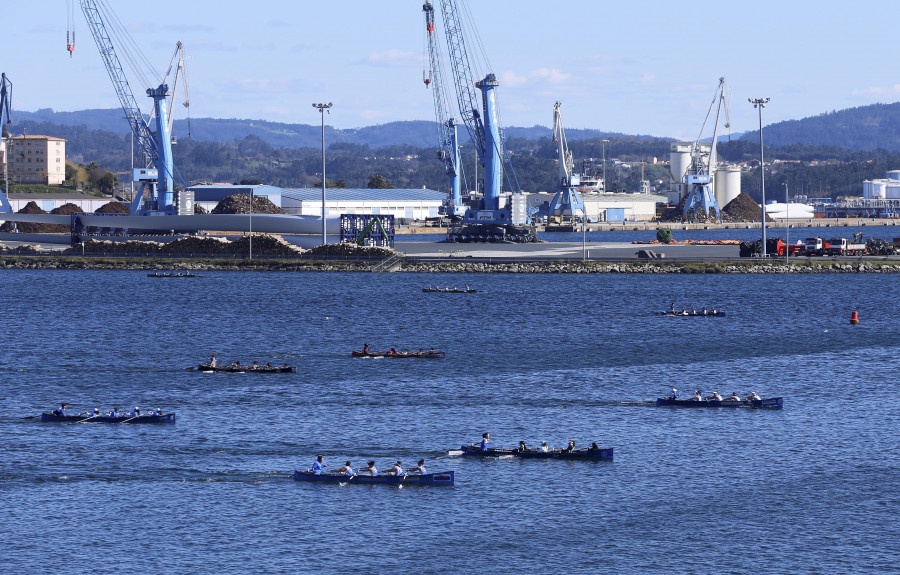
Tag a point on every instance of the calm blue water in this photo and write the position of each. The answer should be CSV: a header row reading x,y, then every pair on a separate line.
x,y
813,488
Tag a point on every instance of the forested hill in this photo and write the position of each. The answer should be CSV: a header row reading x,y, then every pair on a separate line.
x,y
418,133
864,128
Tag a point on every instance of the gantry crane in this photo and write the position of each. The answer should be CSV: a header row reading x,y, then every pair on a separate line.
x,y
448,143
491,220
699,177
156,145
5,97
567,201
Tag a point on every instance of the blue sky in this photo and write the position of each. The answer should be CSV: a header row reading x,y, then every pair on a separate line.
x,y
640,67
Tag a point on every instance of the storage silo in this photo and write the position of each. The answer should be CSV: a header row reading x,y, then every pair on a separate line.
x,y
679,160
893,175
728,184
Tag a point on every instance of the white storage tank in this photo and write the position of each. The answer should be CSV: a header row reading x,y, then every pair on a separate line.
x,y
679,160
727,184
875,189
893,175
890,191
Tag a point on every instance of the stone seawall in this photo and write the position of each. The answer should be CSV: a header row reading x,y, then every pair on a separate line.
x,y
549,267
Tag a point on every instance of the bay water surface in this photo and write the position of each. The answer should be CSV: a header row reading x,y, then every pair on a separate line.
x,y
811,488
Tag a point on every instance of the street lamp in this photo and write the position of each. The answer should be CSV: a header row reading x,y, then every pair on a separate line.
x,y
322,109
604,142
787,223
759,104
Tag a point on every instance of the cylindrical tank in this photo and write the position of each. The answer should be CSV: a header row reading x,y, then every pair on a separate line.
x,y
679,160
893,175
728,184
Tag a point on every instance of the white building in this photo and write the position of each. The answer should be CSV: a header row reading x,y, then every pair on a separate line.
x,y
887,188
409,204
37,160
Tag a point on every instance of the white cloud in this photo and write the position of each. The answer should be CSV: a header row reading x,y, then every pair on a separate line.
x,y
395,59
539,76
877,91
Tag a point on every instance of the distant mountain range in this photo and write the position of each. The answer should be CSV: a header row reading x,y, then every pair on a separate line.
x,y
864,128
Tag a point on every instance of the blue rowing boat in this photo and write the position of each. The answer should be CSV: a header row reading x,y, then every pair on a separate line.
x,y
588,454
442,478
165,418
770,403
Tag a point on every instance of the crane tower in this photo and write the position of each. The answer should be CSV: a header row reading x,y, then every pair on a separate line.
x,y
701,198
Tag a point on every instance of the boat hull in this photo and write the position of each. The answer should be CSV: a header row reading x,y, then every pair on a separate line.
x,y
597,454
247,369
442,478
426,355
167,418
689,314
451,290
770,403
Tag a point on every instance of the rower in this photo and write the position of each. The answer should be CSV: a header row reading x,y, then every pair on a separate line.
x,y
255,365
397,469
715,396
544,447
733,397
674,394
114,412
319,465
698,395
212,361
713,312
485,439
693,311
570,447
366,348
370,469
345,470
703,311
135,413
754,396
420,468
61,410
522,447
594,447
673,307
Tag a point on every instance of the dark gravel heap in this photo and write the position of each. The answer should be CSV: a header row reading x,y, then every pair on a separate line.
x,y
262,245
113,208
240,204
350,250
742,209
27,227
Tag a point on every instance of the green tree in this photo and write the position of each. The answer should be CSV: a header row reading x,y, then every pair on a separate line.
x,y
378,182
108,182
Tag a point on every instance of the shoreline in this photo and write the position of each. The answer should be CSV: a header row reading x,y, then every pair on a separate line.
x,y
747,266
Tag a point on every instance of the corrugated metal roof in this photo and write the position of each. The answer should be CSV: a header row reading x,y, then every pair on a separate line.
x,y
364,194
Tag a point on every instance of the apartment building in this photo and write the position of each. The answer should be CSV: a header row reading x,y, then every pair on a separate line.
x,y
37,160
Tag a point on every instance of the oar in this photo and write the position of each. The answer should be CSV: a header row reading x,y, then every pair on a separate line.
x,y
89,418
455,452
129,419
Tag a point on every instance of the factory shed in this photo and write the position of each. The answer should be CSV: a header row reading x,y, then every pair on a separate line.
x,y
402,203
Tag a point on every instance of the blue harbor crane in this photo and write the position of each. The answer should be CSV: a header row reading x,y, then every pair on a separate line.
x,y
5,97
701,198
567,202
156,144
492,219
448,144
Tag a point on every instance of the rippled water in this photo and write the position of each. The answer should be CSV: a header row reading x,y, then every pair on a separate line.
x,y
812,488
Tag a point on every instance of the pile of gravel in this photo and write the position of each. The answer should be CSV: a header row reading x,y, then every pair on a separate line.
x,y
240,204
113,208
194,246
350,250
742,209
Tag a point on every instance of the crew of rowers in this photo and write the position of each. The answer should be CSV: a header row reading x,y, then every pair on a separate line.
x,y
698,396
347,470
673,311
393,351
213,362
569,448
61,411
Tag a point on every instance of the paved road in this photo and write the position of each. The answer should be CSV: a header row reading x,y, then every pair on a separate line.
x,y
564,250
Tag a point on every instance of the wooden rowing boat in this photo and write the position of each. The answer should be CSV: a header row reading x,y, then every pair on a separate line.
x,y
449,290
423,355
441,478
243,369
165,418
589,454
770,403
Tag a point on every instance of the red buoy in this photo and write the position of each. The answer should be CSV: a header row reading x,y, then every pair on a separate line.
x,y
854,318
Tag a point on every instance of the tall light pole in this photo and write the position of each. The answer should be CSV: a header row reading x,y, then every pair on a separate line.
x,y
251,222
604,142
759,104
787,224
322,109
